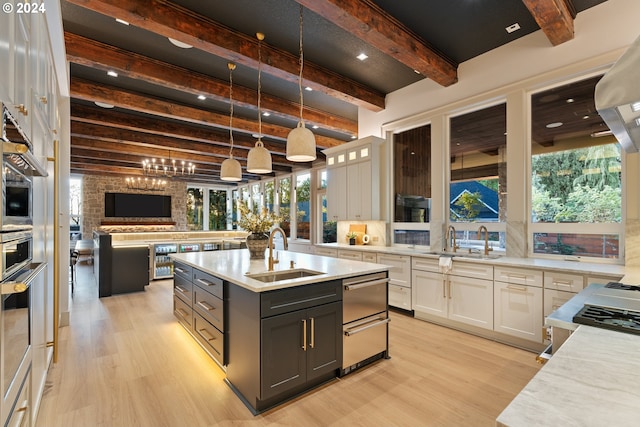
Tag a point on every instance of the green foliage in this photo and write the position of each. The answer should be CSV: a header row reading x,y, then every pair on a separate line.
x,y
217,210
303,190
469,204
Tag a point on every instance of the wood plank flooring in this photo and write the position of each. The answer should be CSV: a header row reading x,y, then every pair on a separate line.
x,y
125,361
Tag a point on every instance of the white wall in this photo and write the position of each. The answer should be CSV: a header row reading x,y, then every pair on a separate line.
x,y
601,34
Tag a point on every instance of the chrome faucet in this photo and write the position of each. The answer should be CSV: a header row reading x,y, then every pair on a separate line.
x,y
487,249
285,245
451,235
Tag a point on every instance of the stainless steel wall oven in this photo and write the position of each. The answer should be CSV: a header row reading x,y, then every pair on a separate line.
x,y
17,252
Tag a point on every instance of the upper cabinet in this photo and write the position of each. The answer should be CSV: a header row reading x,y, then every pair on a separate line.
x,y
355,176
6,49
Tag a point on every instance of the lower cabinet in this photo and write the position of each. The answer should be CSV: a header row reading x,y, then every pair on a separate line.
x,y
299,346
518,310
283,342
399,279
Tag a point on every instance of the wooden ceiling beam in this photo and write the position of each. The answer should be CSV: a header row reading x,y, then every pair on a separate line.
x,y
170,20
91,91
93,54
554,17
367,21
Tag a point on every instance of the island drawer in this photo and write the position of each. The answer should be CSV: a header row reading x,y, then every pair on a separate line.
x,y
182,270
183,289
209,337
208,282
183,312
282,301
518,276
209,307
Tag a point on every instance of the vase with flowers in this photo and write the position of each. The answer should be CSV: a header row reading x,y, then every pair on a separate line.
x,y
351,236
258,224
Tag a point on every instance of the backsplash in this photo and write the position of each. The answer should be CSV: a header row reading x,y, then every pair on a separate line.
x,y
376,230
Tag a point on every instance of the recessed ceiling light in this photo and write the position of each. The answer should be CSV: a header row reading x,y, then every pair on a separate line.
x,y
103,104
266,114
112,73
362,56
417,72
513,27
308,89
635,106
585,117
255,135
202,97
122,21
554,125
179,43
353,137
570,100
315,126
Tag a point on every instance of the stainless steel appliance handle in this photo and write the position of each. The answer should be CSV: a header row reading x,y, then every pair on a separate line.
x,y
365,284
373,324
19,286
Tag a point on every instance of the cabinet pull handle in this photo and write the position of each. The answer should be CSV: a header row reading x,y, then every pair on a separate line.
x,y
449,282
304,334
179,270
181,289
562,282
313,333
181,312
517,288
444,288
517,276
206,335
204,282
206,306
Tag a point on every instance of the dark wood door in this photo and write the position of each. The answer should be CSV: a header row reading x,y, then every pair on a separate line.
x,y
283,365
324,342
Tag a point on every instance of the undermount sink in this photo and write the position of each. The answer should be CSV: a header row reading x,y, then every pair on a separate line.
x,y
277,276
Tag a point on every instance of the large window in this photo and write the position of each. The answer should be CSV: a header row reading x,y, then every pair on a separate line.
x,y
329,228
209,209
284,197
218,210
576,180
478,180
303,206
195,209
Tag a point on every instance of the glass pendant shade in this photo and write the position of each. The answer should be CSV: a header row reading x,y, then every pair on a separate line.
x,y
231,170
259,159
301,144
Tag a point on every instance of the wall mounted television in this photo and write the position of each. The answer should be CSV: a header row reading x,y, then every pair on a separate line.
x,y
126,205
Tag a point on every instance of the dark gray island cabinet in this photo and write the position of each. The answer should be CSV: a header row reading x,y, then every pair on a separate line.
x,y
277,339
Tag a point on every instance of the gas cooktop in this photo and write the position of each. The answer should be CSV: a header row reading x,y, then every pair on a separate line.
x,y
616,306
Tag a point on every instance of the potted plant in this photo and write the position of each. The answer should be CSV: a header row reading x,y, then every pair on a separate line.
x,y
351,236
259,224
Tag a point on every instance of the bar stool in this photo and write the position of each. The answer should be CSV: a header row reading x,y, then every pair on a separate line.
x,y
73,260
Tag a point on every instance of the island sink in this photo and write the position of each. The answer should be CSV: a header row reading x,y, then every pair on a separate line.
x,y
277,276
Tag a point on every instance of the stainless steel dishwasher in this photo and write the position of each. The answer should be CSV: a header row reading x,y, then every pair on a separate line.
x,y
365,320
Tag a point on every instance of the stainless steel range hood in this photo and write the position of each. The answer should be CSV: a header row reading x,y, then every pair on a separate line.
x,y
16,148
617,98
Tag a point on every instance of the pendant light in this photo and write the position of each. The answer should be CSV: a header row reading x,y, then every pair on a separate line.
x,y
301,144
259,158
231,169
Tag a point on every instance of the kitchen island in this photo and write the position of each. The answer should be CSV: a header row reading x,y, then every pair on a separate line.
x,y
278,334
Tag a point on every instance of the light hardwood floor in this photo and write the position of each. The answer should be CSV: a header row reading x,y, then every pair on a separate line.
x,y
125,361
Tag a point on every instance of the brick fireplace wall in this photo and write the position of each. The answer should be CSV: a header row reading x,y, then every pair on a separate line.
x,y
93,189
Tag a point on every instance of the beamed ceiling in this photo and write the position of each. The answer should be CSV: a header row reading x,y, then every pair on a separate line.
x,y
156,111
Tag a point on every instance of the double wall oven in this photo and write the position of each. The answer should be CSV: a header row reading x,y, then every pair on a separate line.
x,y
17,269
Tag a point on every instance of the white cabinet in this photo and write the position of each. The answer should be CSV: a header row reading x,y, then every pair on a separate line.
x,y
464,299
326,252
6,64
563,281
21,106
518,303
369,257
399,279
355,180
349,254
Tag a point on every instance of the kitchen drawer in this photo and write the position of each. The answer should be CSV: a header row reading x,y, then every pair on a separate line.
x,y
400,297
364,338
183,312
209,337
518,276
518,311
370,257
472,269
352,255
327,252
183,289
602,280
553,300
400,271
425,264
563,281
282,301
208,282
209,307
183,270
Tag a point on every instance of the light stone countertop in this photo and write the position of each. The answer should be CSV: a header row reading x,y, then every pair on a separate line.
x,y
233,266
592,380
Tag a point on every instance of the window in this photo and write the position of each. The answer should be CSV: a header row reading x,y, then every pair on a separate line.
x,y
270,195
329,228
412,186
217,209
576,175
303,206
284,196
195,204
75,208
478,180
